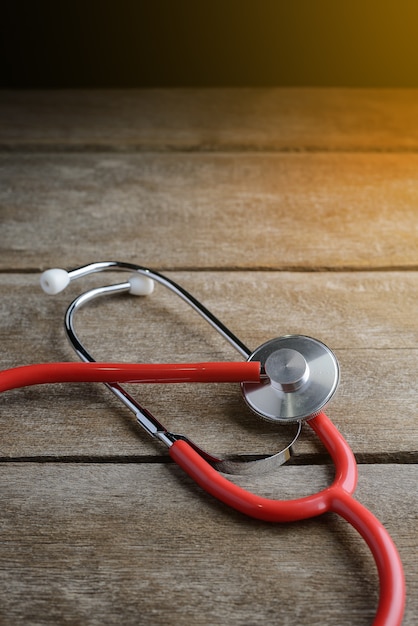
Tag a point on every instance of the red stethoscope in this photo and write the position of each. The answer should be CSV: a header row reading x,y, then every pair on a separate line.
x,y
289,379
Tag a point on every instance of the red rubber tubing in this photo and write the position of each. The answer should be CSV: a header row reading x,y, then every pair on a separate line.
x,y
265,508
337,498
130,373
392,594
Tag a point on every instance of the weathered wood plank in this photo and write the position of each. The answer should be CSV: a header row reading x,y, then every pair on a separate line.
x,y
211,119
210,211
106,544
369,319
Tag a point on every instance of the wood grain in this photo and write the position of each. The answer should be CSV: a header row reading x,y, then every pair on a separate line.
x,y
97,542
242,211
211,119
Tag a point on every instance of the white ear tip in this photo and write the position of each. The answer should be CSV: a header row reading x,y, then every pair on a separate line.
x,y
55,280
141,285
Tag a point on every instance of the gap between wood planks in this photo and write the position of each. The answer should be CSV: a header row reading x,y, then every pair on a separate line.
x,y
201,148
384,458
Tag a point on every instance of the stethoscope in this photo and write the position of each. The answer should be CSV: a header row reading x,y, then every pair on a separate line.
x,y
289,379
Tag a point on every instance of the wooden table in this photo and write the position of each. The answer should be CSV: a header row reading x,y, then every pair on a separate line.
x,y
284,211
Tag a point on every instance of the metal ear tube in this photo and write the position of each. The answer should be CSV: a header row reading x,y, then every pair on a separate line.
x,y
141,282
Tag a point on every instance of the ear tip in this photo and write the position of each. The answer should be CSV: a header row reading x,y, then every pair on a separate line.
x,y
54,280
141,285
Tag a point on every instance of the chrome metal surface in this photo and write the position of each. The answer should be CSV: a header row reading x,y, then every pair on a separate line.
x,y
148,422
287,369
302,374
170,284
262,465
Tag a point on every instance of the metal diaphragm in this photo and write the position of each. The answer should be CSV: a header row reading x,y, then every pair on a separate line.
x,y
302,375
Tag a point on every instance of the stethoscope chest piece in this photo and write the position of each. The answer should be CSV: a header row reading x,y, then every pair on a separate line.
x,y
301,377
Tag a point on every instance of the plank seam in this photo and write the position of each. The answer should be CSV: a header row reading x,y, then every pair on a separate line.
x,y
91,148
381,458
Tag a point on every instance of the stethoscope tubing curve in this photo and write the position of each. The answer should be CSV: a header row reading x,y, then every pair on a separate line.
x,y
336,498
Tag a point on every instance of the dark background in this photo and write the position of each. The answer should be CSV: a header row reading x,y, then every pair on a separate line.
x,y
152,43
